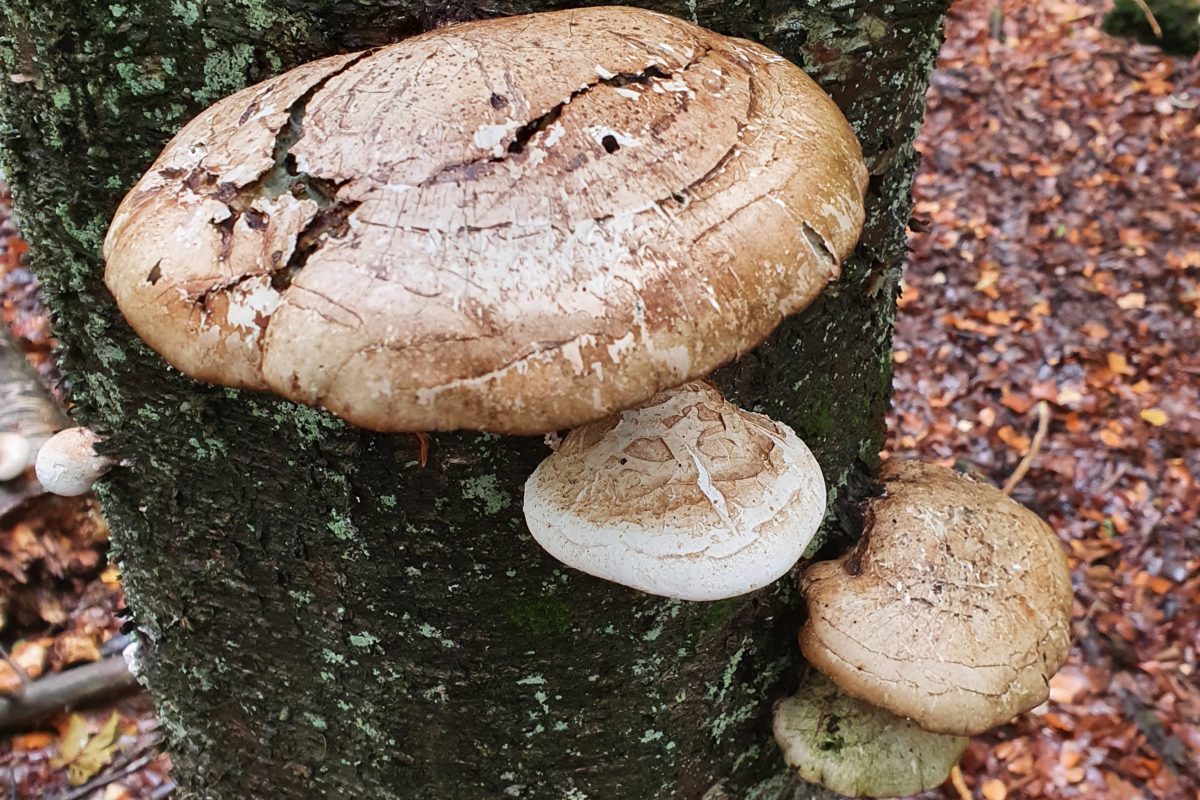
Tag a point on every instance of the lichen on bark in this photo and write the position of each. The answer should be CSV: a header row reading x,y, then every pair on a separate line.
x,y
321,615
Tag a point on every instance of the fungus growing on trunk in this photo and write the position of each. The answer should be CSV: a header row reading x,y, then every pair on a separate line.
x,y
952,610
519,225
68,464
856,749
687,496
14,455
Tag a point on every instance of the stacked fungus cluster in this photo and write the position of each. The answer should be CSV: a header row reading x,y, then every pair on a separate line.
x,y
565,221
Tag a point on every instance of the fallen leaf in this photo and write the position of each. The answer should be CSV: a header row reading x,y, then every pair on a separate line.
x,y
1132,300
83,755
993,789
31,657
1067,686
1118,364
38,740
1155,416
73,648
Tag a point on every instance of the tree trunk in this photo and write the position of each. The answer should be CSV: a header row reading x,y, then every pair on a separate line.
x,y
322,616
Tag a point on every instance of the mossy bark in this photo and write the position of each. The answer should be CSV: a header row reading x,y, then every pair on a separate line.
x,y
319,614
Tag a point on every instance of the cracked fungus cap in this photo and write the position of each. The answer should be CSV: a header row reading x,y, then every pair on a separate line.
x,y
517,225
856,749
953,610
688,496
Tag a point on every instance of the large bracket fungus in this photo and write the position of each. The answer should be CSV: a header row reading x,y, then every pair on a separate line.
x,y
953,610
519,225
687,496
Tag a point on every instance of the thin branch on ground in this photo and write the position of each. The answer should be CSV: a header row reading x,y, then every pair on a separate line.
x,y
62,691
16,667
1154,26
1043,410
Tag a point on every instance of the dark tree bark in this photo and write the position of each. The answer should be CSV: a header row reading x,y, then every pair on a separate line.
x,y
321,616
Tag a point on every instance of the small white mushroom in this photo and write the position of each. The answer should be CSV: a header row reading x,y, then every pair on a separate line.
x,y
68,464
14,455
687,496
133,658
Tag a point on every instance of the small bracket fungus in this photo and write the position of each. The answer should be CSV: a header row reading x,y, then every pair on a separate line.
x,y
688,496
518,225
953,610
856,749
14,455
68,465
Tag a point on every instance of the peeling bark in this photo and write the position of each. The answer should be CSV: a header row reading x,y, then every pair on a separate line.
x,y
321,615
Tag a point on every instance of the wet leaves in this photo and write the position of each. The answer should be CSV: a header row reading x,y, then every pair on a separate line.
x,y
82,753
59,605
1060,261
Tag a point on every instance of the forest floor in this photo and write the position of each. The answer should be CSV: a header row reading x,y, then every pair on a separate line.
x,y
1053,281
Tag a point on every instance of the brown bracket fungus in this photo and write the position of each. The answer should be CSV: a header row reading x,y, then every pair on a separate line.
x,y
953,610
518,225
856,749
67,464
688,496
14,455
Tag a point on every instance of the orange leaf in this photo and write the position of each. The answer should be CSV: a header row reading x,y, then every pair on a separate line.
x,y
1118,364
38,740
1130,301
1016,402
31,655
1068,686
993,789
1017,441
1155,416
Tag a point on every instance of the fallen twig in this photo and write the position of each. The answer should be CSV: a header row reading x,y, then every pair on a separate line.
x,y
1154,26
1111,479
63,691
1043,410
163,791
16,667
960,785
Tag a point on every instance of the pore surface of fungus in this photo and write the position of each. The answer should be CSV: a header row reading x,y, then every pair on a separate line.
x,y
953,609
688,496
518,225
856,749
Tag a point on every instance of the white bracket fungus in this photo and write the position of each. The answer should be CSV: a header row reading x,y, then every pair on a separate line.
x,y
687,496
953,610
517,242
